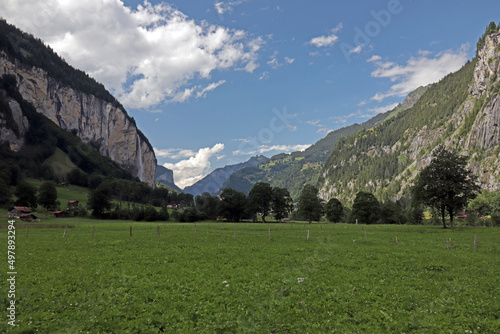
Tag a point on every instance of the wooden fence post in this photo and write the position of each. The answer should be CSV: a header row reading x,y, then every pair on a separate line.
x,y
158,230
64,235
396,240
475,242
307,235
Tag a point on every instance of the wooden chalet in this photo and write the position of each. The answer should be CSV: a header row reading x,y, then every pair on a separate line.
x,y
29,217
61,214
17,211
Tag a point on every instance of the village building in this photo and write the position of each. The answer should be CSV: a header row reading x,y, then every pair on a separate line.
x,y
29,217
17,211
61,214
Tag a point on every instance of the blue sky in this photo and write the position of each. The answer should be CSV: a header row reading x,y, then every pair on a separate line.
x,y
212,83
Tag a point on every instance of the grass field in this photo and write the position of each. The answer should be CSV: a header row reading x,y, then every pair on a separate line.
x,y
211,282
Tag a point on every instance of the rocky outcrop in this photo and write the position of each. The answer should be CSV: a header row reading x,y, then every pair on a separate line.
x,y
95,121
487,66
13,137
166,176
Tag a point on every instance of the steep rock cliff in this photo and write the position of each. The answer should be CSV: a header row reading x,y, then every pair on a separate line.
x,y
92,119
15,137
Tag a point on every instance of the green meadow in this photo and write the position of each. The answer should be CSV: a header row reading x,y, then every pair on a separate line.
x,y
121,277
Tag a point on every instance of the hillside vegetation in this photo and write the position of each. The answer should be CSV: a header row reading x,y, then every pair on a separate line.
x,y
377,159
293,171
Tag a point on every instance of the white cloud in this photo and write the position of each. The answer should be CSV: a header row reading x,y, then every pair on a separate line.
x,y
226,7
374,58
274,62
209,88
269,148
359,114
382,109
189,171
264,76
418,71
145,56
327,40
357,49
173,153
314,123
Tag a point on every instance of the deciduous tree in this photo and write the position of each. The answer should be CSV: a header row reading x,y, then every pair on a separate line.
x,y
281,203
334,210
260,198
26,195
446,184
310,205
47,196
365,208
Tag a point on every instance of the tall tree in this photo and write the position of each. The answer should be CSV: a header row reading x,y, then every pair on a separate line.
x,y
334,210
207,204
47,196
232,204
26,195
281,203
446,184
365,208
310,205
260,198
100,200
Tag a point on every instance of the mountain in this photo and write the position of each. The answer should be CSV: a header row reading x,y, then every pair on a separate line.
x,y
214,181
75,102
31,145
461,113
166,177
294,170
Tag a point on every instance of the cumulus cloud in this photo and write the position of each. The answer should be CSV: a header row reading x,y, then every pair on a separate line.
x,y
418,71
145,56
327,40
269,148
189,171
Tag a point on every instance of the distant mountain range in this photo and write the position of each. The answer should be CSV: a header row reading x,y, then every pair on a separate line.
x,y
294,170
211,183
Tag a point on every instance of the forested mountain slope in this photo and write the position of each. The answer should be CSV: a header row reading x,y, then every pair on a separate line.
x,y
293,171
461,112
